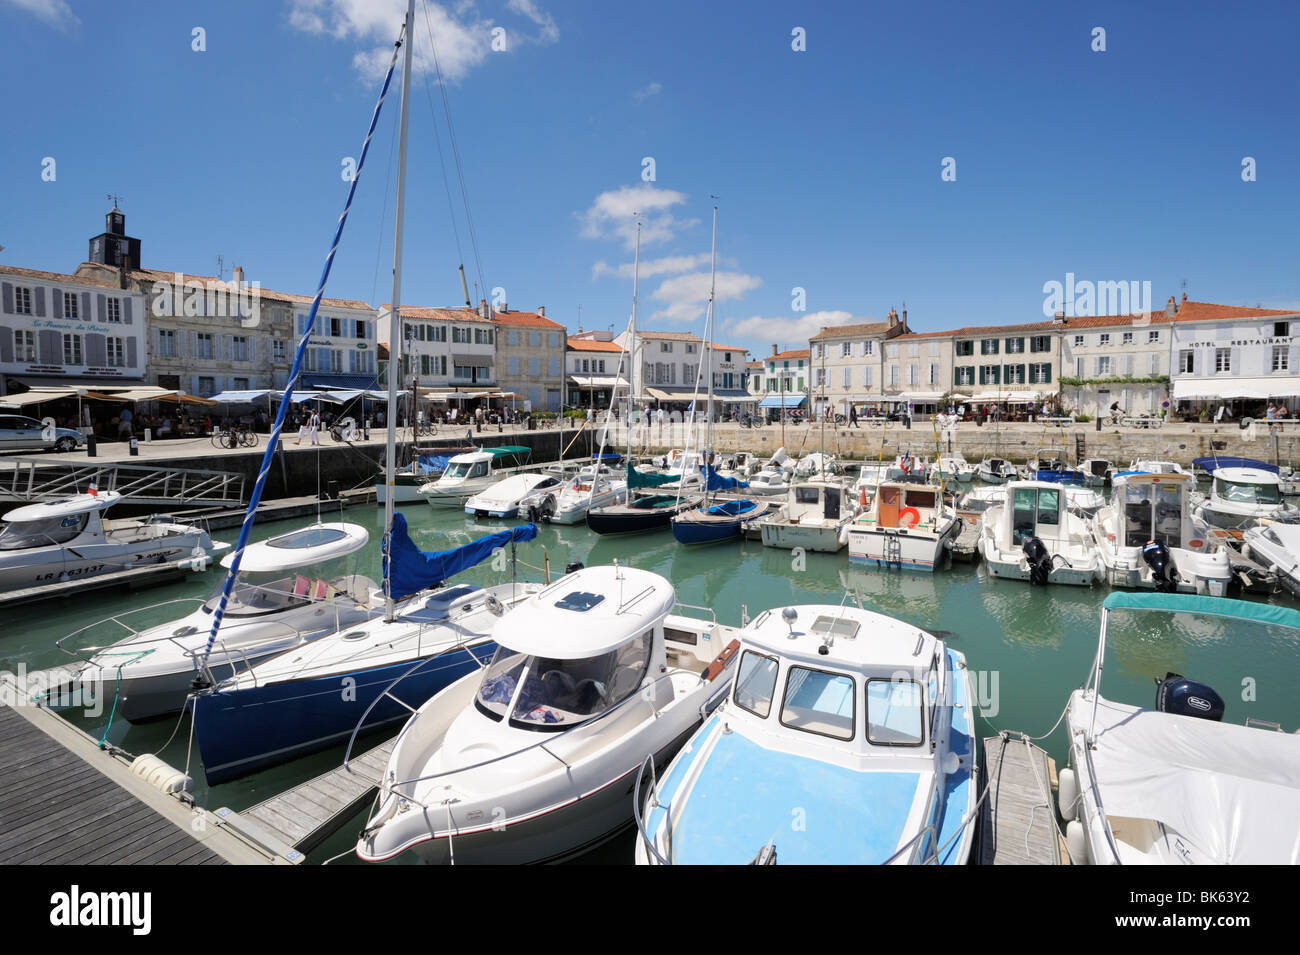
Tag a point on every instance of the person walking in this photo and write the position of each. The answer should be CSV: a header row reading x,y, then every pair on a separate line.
x,y
853,416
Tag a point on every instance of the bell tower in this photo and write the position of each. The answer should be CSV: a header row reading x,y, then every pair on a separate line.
x,y
113,246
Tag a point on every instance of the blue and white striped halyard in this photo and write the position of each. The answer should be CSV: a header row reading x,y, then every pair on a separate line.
x,y
294,371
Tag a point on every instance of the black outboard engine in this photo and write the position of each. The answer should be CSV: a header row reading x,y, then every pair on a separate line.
x,y
1183,697
574,567
1161,562
1040,560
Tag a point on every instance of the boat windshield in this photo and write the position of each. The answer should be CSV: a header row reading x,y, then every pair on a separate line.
x,y
20,535
894,714
756,683
1244,492
255,595
817,701
1032,507
540,693
466,469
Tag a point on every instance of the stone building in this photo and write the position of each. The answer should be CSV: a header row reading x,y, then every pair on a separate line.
x,y
530,357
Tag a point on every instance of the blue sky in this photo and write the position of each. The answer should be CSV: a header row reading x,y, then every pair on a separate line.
x,y
1117,166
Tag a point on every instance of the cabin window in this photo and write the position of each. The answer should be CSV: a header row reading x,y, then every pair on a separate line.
x,y
921,499
756,683
1137,515
1049,506
805,495
1243,492
19,535
1024,515
1169,516
894,716
819,702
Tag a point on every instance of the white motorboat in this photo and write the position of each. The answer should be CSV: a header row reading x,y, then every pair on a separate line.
x,y
813,518
1145,537
1174,785
1036,536
1277,547
909,467
870,477
503,499
1081,499
907,525
531,760
953,467
290,589
1096,472
593,487
1157,466
996,471
427,467
860,725
69,540
817,466
1240,496
466,475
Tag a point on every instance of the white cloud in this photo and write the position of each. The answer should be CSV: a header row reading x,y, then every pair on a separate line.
x,y
794,331
612,215
644,94
463,38
651,267
688,295
56,13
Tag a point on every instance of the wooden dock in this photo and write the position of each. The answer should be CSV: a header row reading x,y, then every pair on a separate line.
x,y
1018,825
63,800
303,817
126,581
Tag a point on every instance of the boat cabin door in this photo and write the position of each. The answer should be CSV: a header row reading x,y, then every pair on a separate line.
x,y
831,503
889,498
1036,512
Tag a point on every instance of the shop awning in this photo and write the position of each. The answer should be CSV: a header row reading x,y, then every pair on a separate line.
x,y
782,401
37,396
337,382
922,395
1010,397
733,396
238,397
597,381
1282,386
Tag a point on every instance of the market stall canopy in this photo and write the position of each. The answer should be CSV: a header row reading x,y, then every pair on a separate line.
x,y
1282,386
38,395
239,397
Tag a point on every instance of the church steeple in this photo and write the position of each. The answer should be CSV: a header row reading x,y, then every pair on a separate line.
x,y
113,246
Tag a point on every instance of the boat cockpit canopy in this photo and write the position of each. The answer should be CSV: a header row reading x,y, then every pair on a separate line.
x,y
43,532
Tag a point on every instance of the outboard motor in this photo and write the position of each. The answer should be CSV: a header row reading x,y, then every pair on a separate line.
x,y
1161,562
1183,697
573,568
1039,559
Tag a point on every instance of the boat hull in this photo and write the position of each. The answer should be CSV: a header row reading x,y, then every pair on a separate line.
x,y
899,548
47,565
826,538
635,520
242,731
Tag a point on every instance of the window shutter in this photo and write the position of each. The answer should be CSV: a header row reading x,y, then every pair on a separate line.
x,y
51,348
131,353
7,294
126,310
6,344
85,307
102,306
96,350
56,303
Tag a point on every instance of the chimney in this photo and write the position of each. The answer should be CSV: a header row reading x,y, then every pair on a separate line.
x,y
541,310
904,318
1184,296
482,308
239,275
504,308
1171,308
1058,318
775,349
893,318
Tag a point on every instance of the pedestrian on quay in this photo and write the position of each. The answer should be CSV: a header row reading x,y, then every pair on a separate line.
x,y
853,416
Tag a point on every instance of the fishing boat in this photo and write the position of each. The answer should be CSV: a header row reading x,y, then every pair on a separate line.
x,y
872,742
1174,784
1239,496
290,589
1084,500
909,467
309,698
813,517
64,540
773,478
504,498
531,760
426,467
1157,466
471,473
907,525
1146,538
1096,472
953,467
870,476
994,470
593,486
1035,536
1052,465
1277,547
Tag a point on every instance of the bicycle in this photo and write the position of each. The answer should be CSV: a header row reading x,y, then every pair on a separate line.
x,y
344,430
236,437
751,421
426,430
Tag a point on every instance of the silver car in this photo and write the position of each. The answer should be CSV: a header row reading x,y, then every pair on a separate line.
x,y
20,433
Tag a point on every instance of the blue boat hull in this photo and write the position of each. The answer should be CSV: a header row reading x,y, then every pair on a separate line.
x,y
706,533
242,731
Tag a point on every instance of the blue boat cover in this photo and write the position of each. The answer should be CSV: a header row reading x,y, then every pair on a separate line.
x,y
716,482
432,463
414,570
1213,464
609,457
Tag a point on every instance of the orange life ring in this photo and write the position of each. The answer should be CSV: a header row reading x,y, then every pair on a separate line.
x,y
916,516
1196,543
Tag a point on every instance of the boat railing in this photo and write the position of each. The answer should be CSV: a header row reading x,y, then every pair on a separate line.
x,y
927,829
203,659
652,798
392,784
85,654
713,617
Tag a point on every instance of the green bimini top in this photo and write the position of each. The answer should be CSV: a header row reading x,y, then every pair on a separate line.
x,y
1206,606
508,449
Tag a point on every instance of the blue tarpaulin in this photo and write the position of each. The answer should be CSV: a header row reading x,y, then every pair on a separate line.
x,y
414,570
778,401
1213,464
716,482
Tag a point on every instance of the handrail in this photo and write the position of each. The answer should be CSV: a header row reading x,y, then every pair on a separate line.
x,y
651,796
929,827
712,613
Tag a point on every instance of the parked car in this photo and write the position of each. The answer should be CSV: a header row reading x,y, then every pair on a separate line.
x,y
20,433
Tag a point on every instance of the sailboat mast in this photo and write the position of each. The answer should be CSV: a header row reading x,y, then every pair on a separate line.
x,y
395,319
633,361
708,345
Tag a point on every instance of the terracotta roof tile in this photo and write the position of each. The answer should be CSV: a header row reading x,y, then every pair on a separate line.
x,y
589,344
1207,311
60,277
159,275
852,331
435,314
804,353
525,320
671,336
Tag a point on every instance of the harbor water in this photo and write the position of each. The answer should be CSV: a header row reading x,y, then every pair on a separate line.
x,y
1029,646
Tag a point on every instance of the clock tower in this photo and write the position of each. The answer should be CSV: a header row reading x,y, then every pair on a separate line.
x,y
113,246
